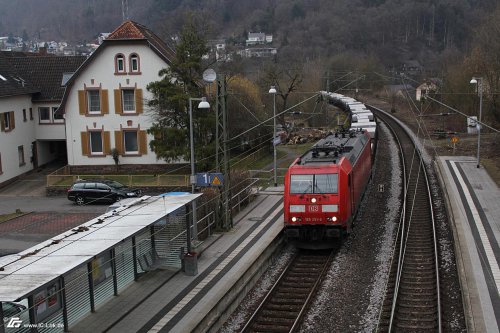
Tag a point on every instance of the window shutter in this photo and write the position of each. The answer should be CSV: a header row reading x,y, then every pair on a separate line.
x,y
118,101
104,102
2,122
85,143
107,143
82,102
143,143
119,142
12,120
138,101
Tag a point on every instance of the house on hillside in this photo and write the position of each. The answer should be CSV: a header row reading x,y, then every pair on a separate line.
x,y
258,52
104,103
430,85
258,38
31,89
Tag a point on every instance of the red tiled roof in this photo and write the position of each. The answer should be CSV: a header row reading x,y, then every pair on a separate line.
x,y
130,30
127,30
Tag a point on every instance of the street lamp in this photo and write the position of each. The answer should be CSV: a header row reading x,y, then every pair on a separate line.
x,y
202,105
479,82
273,91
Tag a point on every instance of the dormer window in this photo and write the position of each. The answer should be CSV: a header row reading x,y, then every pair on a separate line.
x,y
135,67
119,64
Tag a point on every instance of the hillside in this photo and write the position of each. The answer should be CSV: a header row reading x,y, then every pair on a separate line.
x,y
392,30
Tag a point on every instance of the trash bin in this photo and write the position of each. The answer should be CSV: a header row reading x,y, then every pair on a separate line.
x,y
191,263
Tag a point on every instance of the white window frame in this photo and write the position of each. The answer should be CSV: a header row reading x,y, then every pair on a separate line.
x,y
134,62
91,151
130,152
120,60
133,101
44,121
6,118
53,114
89,99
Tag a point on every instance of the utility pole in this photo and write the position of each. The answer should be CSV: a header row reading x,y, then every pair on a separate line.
x,y
224,218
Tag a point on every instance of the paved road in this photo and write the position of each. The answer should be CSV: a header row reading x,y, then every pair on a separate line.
x,y
48,216
28,194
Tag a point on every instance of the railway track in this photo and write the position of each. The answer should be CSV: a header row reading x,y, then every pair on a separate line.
x,y
412,300
283,306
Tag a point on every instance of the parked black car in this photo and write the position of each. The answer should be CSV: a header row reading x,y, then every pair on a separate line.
x,y
11,309
90,191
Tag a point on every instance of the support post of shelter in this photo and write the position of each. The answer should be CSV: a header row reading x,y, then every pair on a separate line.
x,y
31,312
91,287
2,327
115,278
64,304
190,258
134,258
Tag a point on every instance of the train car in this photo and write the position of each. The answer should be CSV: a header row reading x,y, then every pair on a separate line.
x,y
324,187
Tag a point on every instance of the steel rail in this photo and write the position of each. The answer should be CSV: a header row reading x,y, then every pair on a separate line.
x,y
408,216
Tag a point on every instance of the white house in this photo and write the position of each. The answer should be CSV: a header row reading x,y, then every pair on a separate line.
x,y
256,38
431,85
32,134
78,109
104,103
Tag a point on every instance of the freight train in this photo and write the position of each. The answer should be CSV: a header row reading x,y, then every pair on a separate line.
x,y
324,186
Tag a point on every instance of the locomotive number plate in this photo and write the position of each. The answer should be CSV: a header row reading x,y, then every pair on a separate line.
x,y
313,208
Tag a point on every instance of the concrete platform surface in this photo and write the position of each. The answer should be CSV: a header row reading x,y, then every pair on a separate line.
x,y
171,301
474,205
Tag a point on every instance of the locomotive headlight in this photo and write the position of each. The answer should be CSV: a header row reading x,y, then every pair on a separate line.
x,y
334,219
294,219
313,200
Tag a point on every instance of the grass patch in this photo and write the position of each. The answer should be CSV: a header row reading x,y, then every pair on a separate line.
x,y
7,217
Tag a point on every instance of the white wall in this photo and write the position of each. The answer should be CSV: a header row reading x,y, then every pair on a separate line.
x,y
48,131
102,71
21,135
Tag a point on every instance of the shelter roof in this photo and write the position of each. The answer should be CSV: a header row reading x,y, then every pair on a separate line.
x,y
25,272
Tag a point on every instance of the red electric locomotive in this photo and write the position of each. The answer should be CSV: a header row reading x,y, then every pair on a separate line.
x,y
323,189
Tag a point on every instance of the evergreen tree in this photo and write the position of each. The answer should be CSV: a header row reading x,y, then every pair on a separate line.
x,y
170,103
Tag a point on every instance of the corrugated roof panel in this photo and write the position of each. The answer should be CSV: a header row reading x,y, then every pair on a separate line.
x,y
25,272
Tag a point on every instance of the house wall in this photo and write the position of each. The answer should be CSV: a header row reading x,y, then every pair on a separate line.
x,y
101,73
53,130
22,135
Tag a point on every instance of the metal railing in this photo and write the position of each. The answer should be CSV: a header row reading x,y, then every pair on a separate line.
x,y
65,180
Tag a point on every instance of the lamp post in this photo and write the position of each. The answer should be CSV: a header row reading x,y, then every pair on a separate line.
x,y
202,105
273,91
479,82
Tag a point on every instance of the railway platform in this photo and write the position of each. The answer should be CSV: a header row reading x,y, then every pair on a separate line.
x,y
172,301
473,201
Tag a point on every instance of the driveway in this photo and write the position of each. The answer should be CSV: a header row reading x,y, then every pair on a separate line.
x,y
46,216
28,195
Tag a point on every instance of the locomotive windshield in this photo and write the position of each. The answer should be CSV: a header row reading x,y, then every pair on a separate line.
x,y
321,183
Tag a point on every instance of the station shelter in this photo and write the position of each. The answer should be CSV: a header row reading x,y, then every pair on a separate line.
x,y
51,286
